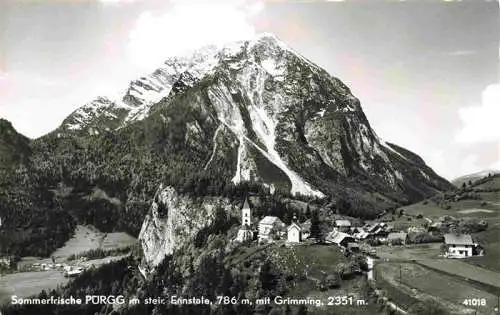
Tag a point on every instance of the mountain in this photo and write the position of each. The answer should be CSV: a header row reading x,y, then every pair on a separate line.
x,y
253,116
473,177
14,147
180,150
105,113
250,111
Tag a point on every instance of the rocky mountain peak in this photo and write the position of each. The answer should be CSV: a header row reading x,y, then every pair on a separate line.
x,y
290,124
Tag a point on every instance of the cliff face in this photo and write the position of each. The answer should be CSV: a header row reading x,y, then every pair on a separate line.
x,y
173,221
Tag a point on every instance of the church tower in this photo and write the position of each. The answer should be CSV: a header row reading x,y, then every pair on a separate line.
x,y
246,214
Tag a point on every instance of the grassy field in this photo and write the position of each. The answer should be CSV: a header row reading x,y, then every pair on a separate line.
x,y
117,240
313,259
422,283
490,240
84,239
410,252
315,262
465,270
29,283
89,238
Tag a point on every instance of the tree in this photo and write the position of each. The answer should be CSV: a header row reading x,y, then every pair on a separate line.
x,y
315,225
308,212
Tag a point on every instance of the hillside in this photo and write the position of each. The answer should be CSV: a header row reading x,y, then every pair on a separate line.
x,y
14,147
476,210
250,117
459,181
253,111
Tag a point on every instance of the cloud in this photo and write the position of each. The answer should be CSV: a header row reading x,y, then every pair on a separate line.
x,y
495,166
481,123
187,25
459,53
117,1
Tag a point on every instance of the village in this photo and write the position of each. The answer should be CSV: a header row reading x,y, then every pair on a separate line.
x,y
353,236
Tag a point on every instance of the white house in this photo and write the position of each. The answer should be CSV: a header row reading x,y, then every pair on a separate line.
x,y
343,223
294,233
270,229
458,245
245,232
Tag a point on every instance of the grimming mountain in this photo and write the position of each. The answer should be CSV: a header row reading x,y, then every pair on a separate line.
x,y
252,113
284,121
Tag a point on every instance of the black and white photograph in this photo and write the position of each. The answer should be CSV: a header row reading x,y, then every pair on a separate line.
x,y
249,157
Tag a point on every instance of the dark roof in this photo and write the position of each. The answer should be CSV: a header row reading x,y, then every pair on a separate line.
x,y
294,225
337,237
352,245
245,204
458,239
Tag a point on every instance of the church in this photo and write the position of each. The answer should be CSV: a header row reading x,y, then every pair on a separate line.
x,y
294,232
245,233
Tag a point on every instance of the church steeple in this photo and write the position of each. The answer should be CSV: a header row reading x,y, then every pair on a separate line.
x,y
246,213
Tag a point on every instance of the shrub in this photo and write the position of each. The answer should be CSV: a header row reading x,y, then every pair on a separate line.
x,y
333,281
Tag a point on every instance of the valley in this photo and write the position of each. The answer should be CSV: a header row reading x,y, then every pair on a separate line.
x,y
33,274
245,171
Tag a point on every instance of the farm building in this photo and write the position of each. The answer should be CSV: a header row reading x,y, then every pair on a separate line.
x,y
378,229
461,246
397,238
270,229
353,247
343,225
339,238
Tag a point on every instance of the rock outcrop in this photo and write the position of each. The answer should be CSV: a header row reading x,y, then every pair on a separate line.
x,y
173,221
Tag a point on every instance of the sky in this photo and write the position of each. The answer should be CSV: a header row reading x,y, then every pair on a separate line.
x,y
426,72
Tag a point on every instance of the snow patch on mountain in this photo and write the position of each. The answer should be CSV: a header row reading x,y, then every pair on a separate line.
x,y
214,150
388,146
272,67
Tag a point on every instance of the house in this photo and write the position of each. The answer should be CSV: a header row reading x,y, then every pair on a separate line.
x,y
294,233
353,247
270,228
339,238
73,272
245,233
397,238
459,245
377,230
416,229
360,234
343,225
